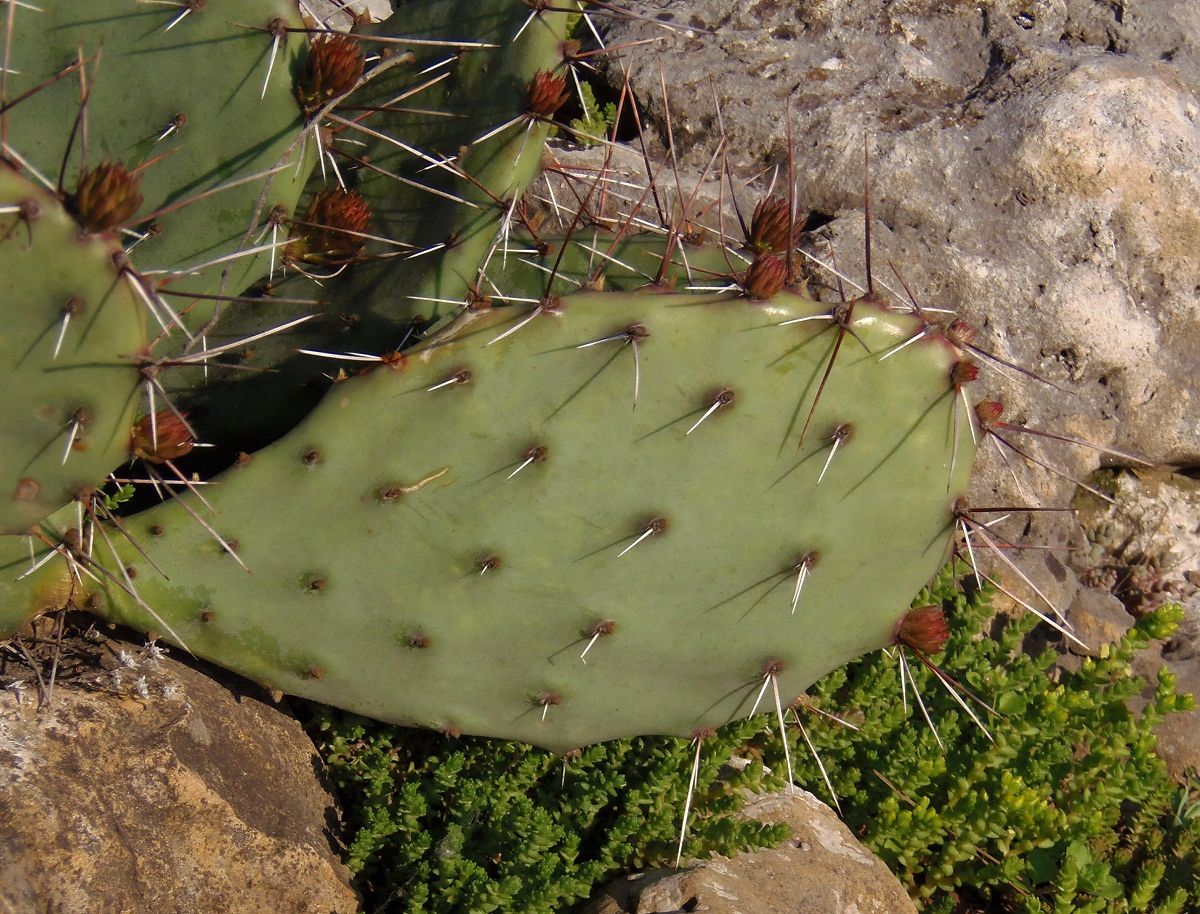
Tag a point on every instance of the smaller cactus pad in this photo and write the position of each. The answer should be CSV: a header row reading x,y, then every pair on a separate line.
x,y
70,323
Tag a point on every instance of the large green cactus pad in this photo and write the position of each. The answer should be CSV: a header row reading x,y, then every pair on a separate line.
x,y
367,530
65,419
210,68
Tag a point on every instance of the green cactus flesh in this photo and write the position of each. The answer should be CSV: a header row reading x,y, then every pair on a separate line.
x,y
190,106
486,89
69,318
398,567
255,408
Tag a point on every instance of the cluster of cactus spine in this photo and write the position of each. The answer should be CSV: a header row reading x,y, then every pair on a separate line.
x,y
595,499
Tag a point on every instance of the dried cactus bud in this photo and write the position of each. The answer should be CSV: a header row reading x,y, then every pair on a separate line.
x,y
924,629
769,227
105,197
546,94
167,438
323,235
334,65
964,372
764,278
988,412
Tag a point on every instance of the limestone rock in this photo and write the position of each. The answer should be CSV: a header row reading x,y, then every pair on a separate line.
x,y
1098,618
150,788
340,15
821,869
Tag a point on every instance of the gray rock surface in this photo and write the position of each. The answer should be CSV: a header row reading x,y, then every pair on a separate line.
x,y
146,787
341,14
1098,618
821,869
1146,552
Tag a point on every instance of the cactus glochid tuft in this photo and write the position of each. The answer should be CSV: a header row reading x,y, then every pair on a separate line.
x,y
773,229
765,277
161,437
547,93
924,629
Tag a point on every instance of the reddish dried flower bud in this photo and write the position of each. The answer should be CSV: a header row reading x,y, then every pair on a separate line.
x,y
924,629
769,227
764,278
323,235
546,94
988,412
105,197
334,65
960,333
964,372
168,438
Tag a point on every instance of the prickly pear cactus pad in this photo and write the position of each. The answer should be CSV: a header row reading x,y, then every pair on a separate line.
x,y
194,96
594,522
485,122
69,317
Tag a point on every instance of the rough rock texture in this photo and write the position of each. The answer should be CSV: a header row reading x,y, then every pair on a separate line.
x,y
151,788
1036,167
1179,735
1099,619
341,14
822,869
1147,552
1147,548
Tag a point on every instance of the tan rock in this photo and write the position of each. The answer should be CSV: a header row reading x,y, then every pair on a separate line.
x,y
340,15
821,869
1099,619
153,789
